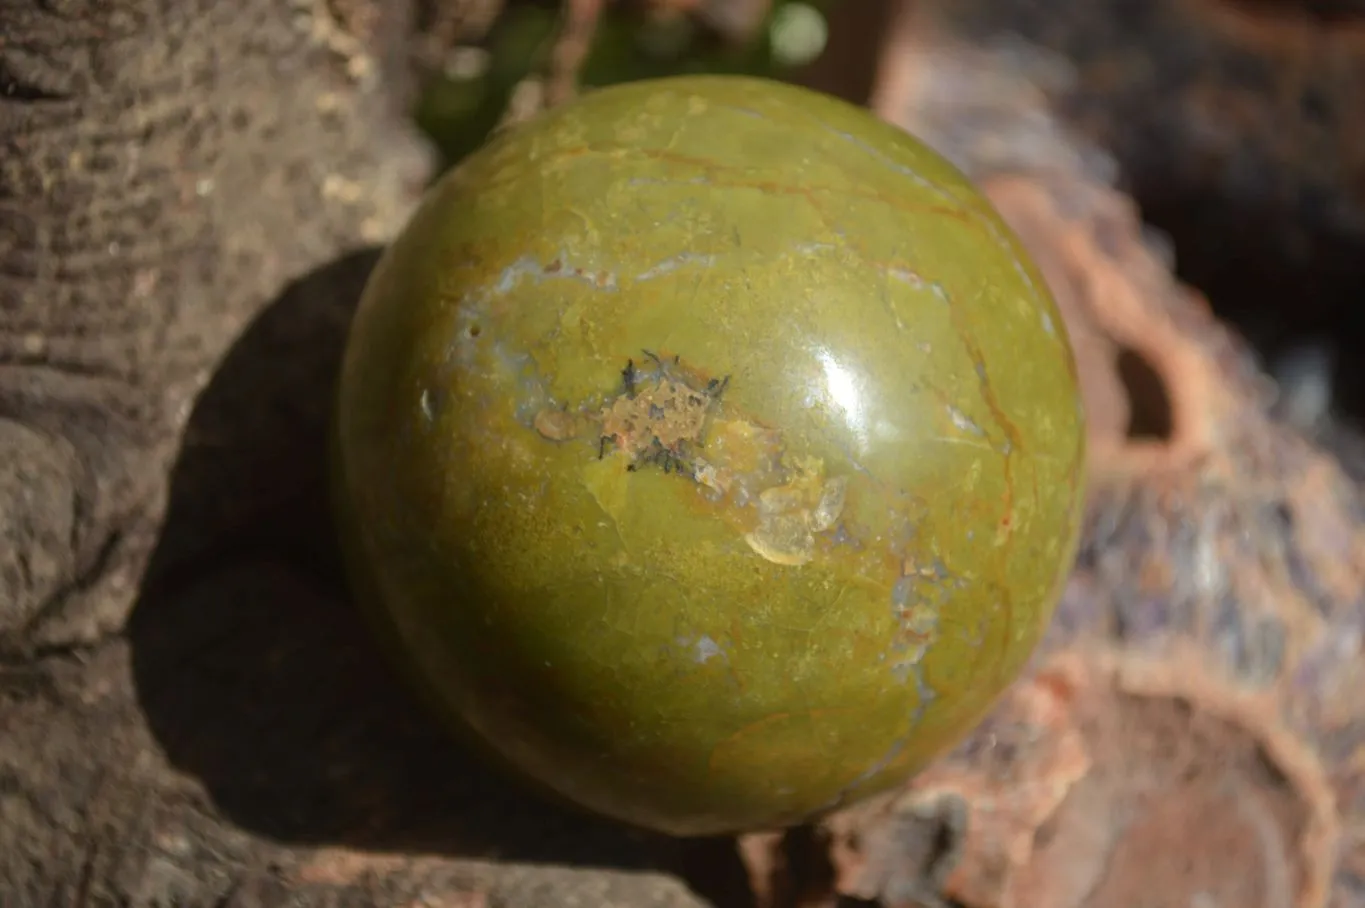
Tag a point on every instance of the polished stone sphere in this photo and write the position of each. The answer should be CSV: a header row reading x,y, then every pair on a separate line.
x,y
710,451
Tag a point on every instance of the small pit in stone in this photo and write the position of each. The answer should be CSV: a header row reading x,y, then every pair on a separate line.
x,y
660,415
1200,795
1150,412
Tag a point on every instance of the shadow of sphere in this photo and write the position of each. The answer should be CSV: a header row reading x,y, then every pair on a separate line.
x,y
257,676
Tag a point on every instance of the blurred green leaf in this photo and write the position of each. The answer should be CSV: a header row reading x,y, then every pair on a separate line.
x,y
459,109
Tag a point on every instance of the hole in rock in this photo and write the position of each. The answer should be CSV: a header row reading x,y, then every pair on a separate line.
x,y
1296,307
1150,416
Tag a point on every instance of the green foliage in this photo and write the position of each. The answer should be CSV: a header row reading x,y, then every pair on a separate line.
x,y
460,108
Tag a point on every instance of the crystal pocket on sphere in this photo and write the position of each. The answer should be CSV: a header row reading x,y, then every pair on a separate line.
x,y
710,450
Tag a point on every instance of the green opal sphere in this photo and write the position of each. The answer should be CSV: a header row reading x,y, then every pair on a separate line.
x,y
710,451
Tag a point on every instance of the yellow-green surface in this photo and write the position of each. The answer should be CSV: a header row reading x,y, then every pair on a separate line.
x,y
711,450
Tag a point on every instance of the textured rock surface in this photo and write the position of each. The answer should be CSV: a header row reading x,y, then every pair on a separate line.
x,y
187,198
167,168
